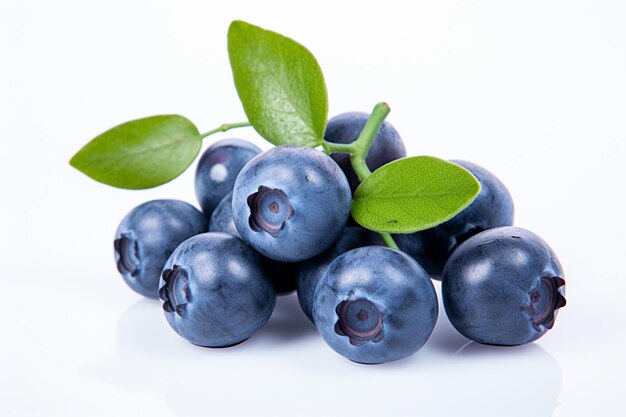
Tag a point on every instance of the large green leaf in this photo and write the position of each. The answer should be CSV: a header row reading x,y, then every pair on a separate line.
x,y
280,85
141,153
412,194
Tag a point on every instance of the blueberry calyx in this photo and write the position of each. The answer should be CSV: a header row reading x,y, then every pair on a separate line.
x,y
175,292
128,253
269,210
545,300
359,320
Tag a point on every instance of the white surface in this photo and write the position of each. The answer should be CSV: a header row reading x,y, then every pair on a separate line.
x,y
535,91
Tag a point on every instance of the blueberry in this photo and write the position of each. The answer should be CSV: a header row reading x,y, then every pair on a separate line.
x,y
346,127
215,291
148,235
222,217
493,207
375,305
217,169
310,271
283,274
503,286
291,203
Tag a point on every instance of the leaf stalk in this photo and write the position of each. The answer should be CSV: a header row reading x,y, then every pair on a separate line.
x,y
359,148
224,128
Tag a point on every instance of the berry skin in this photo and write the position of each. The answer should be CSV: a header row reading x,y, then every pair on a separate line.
x,y
503,286
222,217
148,235
283,274
291,203
346,127
215,291
217,169
493,207
375,305
310,271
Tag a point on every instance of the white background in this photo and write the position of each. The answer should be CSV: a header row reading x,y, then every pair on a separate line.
x,y
533,90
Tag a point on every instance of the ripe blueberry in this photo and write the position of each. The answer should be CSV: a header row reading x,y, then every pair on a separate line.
x,y
217,169
282,274
215,291
375,305
503,286
148,235
222,217
310,271
346,127
493,207
291,203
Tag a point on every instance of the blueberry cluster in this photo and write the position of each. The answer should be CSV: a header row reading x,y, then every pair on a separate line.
x,y
277,221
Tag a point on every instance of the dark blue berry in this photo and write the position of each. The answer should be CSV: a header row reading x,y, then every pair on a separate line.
x,y
217,169
493,207
215,290
222,217
503,286
148,235
291,203
283,274
375,305
346,127
310,271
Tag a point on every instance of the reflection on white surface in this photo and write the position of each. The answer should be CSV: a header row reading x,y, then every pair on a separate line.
x,y
287,367
525,383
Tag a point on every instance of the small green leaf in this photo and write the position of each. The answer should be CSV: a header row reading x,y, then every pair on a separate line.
x,y
413,194
141,153
280,85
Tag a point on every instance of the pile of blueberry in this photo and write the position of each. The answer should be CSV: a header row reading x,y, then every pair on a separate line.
x,y
277,221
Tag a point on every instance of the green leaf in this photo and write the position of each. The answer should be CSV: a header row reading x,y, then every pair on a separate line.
x,y
413,194
141,153
280,85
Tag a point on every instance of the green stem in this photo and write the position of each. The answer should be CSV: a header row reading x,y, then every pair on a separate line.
x,y
389,240
371,128
363,143
359,166
359,148
332,147
225,127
